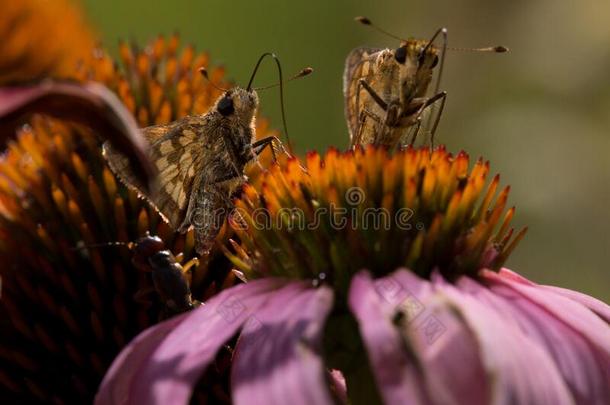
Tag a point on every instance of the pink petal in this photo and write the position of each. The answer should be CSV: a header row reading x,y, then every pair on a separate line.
x,y
395,371
446,348
92,105
506,273
598,307
176,352
116,386
277,359
572,356
595,305
565,328
570,312
519,370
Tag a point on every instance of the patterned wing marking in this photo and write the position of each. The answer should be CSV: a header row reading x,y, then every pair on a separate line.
x,y
177,152
358,65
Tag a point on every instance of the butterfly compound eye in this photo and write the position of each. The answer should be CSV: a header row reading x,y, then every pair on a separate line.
x,y
400,54
434,62
225,106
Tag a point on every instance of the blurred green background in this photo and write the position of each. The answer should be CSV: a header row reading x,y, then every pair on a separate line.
x,y
540,113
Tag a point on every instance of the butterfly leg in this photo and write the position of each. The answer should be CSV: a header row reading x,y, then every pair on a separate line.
x,y
391,110
415,132
260,145
376,97
363,116
271,142
421,105
443,99
356,138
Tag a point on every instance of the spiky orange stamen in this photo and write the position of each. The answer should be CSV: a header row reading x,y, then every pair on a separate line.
x,y
448,216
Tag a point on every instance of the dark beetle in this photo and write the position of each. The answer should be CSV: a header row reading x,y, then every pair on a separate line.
x,y
150,255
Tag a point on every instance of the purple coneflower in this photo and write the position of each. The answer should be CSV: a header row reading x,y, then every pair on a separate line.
x,y
377,279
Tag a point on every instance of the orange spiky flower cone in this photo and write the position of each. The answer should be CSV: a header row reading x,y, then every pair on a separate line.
x,y
370,209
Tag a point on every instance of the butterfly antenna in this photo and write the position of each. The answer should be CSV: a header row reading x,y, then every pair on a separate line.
x,y
492,49
281,83
441,66
437,86
366,21
304,72
258,63
204,73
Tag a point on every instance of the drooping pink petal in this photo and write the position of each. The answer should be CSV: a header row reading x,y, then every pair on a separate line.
x,y
595,305
396,373
173,360
565,328
520,370
92,105
598,307
277,358
573,357
116,386
570,312
448,352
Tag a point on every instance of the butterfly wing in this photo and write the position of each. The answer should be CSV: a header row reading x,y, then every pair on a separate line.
x,y
177,150
358,65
